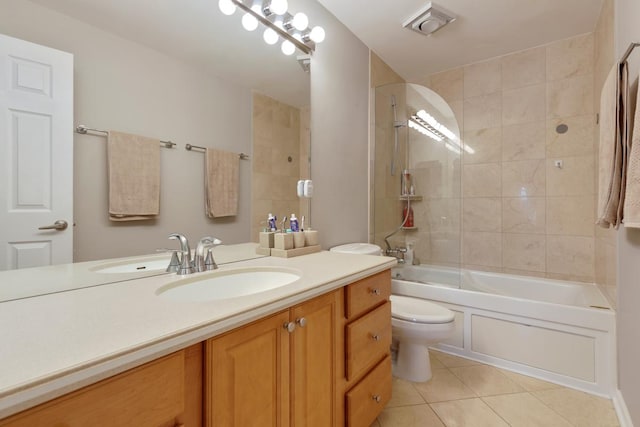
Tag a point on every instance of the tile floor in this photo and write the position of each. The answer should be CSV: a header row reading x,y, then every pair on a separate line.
x,y
464,392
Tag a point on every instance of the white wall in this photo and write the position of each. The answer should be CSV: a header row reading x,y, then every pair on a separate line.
x,y
339,134
628,30
124,86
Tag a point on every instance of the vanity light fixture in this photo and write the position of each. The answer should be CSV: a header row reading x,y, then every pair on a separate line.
x,y
292,28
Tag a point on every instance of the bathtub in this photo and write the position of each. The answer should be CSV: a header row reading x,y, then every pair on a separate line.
x,y
558,331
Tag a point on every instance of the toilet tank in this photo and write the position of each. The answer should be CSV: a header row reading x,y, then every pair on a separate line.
x,y
358,248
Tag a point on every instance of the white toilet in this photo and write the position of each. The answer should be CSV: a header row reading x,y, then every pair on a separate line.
x,y
415,323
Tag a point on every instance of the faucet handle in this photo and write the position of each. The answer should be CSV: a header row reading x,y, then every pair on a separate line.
x,y
174,264
185,265
209,263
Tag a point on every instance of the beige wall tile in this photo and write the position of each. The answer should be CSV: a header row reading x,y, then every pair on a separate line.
x,y
523,409
523,105
575,177
381,73
482,214
524,178
570,57
449,84
482,78
577,141
486,145
469,412
483,112
524,215
571,215
480,248
570,255
570,97
524,68
523,141
483,180
524,251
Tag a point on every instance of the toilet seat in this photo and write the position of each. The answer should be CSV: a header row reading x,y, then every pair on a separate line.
x,y
419,310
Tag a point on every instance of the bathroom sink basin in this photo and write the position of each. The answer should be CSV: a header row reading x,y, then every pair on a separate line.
x,y
139,265
219,285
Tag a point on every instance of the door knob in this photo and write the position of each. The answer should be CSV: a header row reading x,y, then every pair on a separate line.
x,y
58,225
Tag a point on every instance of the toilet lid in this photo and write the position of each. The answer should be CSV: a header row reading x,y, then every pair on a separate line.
x,y
419,310
357,248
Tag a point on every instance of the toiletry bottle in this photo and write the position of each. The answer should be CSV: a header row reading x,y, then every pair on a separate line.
x,y
408,256
271,220
405,183
293,223
407,212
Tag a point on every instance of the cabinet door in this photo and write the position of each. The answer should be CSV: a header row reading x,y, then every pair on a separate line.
x,y
313,361
152,395
247,375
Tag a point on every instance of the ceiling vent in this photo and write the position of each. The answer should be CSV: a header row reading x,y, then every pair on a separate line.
x,y
429,19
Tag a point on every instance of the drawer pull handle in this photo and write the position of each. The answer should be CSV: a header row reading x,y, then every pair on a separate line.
x,y
302,322
375,291
376,398
289,327
375,337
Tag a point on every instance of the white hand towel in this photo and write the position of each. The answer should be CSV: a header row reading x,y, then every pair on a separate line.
x,y
632,193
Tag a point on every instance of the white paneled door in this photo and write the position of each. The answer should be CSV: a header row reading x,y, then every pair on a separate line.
x,y
36,155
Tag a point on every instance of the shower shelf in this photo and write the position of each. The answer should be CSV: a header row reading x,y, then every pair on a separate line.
x,y
409,228
410,197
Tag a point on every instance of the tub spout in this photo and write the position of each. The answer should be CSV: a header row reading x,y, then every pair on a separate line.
x,y
396,252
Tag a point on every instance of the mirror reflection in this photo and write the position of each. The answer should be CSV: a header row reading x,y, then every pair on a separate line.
x,y
174,72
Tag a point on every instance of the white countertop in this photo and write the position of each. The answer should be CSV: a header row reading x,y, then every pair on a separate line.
x,y
56,343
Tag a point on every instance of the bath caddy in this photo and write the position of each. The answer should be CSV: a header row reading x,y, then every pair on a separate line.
x,y
290,253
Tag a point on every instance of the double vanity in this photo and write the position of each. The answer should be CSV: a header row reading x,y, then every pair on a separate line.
x,y
259,341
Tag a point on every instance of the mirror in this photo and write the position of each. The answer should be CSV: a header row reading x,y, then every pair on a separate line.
x,y
182,72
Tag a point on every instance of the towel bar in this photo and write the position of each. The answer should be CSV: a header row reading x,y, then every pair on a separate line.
x,y
84,129
190,147
632,46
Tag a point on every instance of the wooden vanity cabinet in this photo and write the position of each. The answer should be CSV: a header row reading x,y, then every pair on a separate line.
x,y
277,371
367,364
166,392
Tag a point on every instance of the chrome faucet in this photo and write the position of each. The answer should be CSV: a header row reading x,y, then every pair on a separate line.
x,y
202,262
396,252
185,262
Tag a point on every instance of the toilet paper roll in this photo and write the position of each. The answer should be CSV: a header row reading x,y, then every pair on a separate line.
x,y
311,237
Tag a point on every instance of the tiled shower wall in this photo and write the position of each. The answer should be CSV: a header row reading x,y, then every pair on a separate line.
x,y
528,192
277,137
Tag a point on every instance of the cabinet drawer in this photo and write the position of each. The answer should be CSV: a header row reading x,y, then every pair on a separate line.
x,y
367,399
150,395
367,293
368,340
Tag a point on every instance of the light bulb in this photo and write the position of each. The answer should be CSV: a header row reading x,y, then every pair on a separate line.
x,y
279,7
249,22
317,34
300,21
288,48
227,7
270,36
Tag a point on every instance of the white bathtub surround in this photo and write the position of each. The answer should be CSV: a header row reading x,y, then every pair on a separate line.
x,y
563,332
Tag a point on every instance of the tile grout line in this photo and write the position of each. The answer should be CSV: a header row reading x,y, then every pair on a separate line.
x,y
553,410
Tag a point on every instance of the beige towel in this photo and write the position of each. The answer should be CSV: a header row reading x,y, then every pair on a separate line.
x,y
611,151
632,197
221,181
134,177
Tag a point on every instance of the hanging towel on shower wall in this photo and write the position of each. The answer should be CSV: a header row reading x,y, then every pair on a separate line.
x,y
221,180
134,177
632,194
612,148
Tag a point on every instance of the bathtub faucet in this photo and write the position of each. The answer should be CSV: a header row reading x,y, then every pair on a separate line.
x,y
396,252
